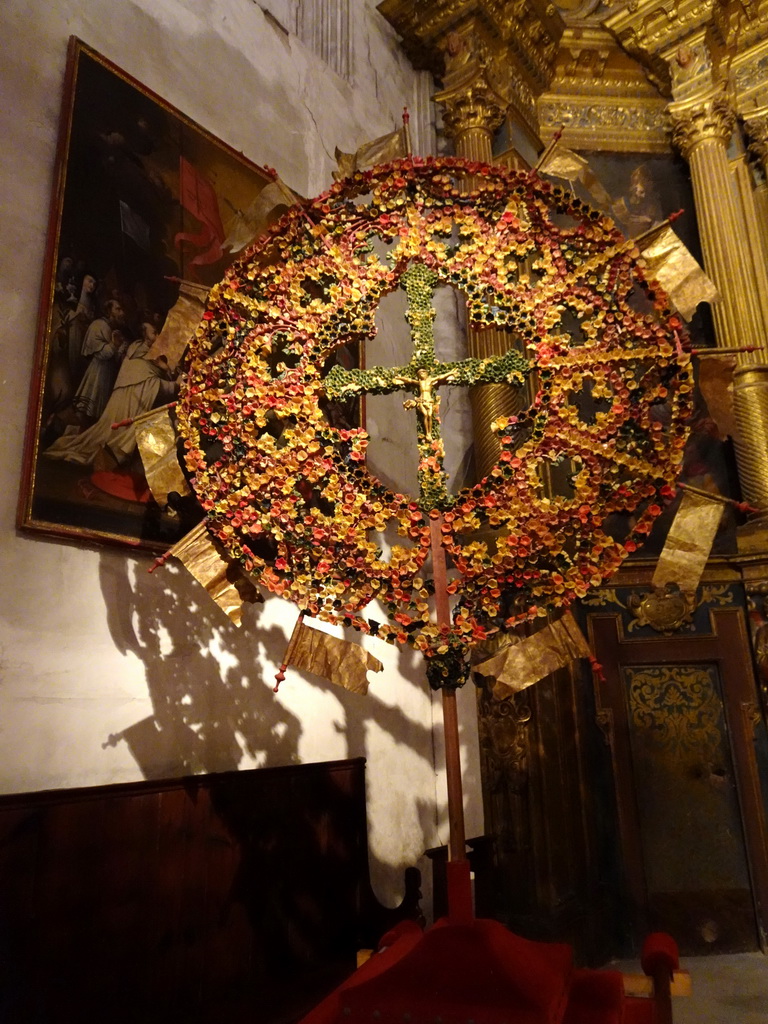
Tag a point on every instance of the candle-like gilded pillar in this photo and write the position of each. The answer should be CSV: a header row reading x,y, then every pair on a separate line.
x,y
472,111
756,128
702,130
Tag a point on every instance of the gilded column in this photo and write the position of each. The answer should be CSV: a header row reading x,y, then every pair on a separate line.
x,y
702,130
472,111
702,133
754,234
756,127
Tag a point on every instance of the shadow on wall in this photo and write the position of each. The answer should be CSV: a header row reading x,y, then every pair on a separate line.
x,y
211,687
202,702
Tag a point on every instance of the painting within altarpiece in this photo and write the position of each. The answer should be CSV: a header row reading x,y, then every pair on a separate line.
x,y
644,190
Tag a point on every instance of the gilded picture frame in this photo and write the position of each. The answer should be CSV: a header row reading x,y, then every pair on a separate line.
x,y
144,200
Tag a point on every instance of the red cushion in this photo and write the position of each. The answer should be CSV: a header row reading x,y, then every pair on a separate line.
x,y
478,971
329,1010
660,951
596,997
639,1011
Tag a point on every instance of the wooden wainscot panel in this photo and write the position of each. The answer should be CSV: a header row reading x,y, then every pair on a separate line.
x,y
240,896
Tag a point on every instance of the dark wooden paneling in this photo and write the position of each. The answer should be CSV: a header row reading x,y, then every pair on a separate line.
x,y
743,912
225,897
538,753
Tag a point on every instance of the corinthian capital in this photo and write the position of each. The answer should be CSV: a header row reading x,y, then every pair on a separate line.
x,y
694,122
474,93
475,105
756,128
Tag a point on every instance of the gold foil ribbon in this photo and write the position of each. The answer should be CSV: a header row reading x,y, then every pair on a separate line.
x,y
716,386
156,437
378,151
201,557
669,262
689,542
340,661
180,324
565,164
248,224
523,664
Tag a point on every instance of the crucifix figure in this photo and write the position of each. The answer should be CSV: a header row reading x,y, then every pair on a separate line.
x,y
428,402
422,376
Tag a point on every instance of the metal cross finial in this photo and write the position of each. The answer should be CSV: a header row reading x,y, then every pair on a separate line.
x,y
422,376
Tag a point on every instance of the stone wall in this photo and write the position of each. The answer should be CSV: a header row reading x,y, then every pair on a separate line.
x,y
108,674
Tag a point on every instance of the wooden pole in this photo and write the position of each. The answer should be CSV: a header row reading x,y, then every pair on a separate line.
x,y
458,876
456,837
456,841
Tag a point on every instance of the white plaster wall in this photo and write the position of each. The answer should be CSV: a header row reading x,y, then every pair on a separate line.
x,y
110,675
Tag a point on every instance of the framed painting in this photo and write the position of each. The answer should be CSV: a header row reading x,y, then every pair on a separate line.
x,y
148,210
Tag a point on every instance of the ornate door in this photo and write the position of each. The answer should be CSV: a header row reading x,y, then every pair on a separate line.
x,y
680,714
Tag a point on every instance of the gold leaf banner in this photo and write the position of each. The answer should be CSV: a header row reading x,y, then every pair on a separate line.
x,y
378,151
565,164
180,324
671,264
156,437
689,542
716,386
521,665
246,225
225,585
333,658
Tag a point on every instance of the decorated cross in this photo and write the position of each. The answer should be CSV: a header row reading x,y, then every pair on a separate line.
x,y
422,376
303,515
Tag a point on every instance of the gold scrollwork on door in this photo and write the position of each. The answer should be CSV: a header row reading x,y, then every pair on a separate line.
x,y
503,725
665,609
677,707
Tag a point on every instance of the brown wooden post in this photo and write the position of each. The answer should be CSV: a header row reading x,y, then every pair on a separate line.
x,y
457,869
456,837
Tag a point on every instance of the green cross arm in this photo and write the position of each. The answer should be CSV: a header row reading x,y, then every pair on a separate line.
x,y
422,376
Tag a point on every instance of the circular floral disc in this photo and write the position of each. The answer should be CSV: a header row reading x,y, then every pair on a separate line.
x,y
583,470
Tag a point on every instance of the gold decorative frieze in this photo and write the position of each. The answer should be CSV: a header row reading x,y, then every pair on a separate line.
x,y
648,28
590,62
602,96
529,29
613,124
665,609
738,25
515,41
750,79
